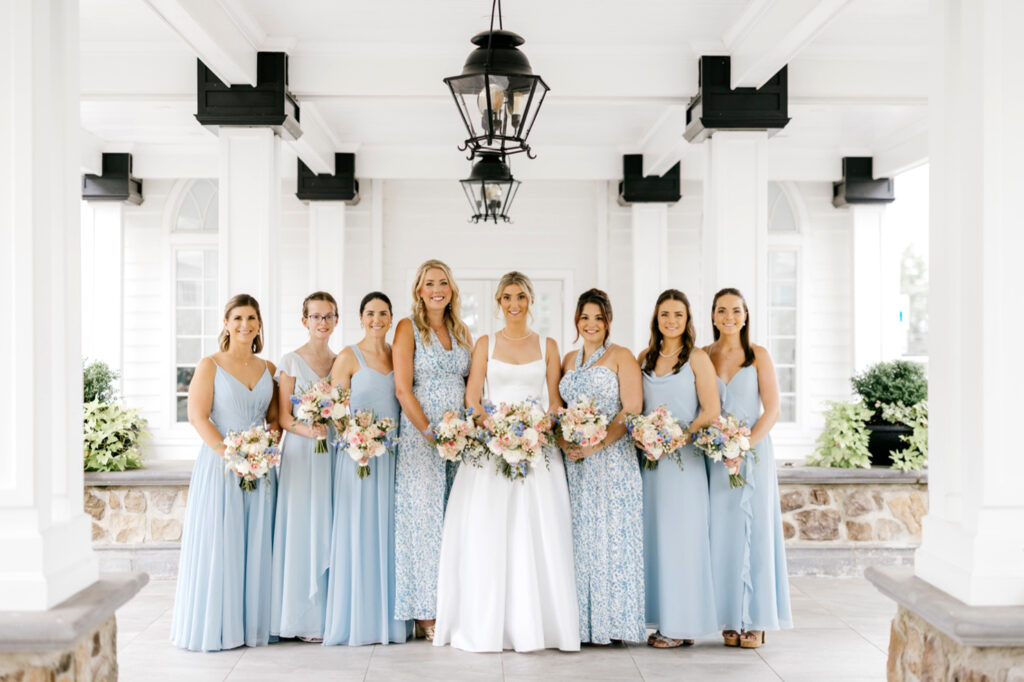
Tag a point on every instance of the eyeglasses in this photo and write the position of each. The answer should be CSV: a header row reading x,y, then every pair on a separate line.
x,y
317,318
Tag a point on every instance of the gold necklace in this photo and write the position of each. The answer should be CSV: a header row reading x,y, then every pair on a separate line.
x,y
518,338
670,355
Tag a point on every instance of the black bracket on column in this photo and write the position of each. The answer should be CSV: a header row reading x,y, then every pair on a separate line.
x,y
859,187
635,188
116,183
718,107
268,103
342,186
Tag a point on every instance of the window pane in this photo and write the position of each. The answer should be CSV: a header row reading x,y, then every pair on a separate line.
x,y
787,379
782,264
784,351
184,378
783,294
190,264
787,408
211,323
210,262
210,346
203,191
783,323
189,219
188,351
471,312
210,224
210,293
189,322
781,219
188,293
182,408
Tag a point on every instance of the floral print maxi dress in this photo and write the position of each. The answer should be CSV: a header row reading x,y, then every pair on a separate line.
x,y
422,479
606,494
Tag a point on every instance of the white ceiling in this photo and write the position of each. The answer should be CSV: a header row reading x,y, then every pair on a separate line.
x,y
373,71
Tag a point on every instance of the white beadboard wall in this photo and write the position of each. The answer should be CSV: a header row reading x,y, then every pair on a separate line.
x,y
555,230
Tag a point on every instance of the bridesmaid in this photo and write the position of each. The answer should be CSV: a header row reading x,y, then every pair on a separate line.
x,y
677,554
302,528
361,584
431,356
222,598
604,482
748,557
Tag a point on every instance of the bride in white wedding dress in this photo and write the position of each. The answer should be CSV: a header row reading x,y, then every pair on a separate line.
x,y
507,578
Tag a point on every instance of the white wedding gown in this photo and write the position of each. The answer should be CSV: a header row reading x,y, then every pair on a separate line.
x,y
507,579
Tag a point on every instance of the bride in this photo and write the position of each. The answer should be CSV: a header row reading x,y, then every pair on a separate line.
x,y
507,577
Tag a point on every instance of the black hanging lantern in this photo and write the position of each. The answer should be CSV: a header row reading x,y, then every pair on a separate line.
x,y
490,188
497,94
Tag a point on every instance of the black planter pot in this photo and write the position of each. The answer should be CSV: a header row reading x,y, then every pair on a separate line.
x,y
884,439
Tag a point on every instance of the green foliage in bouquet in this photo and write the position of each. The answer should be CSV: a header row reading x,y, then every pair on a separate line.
x,y
889,383
111,436
915,456
97,382
844,442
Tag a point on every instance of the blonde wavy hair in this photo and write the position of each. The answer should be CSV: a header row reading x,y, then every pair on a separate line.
x,y
521,281
452,312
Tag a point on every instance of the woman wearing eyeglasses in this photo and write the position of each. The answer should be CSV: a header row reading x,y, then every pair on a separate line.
x,y
302,527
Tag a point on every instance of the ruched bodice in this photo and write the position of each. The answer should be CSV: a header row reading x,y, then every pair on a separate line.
x,y
236,407
742,396
372,390
439,375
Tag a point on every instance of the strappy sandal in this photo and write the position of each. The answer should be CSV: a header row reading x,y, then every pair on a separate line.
x,y
752,639
422,630
660,641
730,638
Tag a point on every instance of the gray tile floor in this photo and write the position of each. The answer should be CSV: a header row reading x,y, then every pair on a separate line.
x,y
842,633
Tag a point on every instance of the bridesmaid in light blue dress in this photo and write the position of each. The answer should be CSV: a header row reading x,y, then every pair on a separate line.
x,y
677,552
222,598
605,490
431,357
361,589
302,527
748,555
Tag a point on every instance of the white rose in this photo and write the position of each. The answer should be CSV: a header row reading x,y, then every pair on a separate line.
x,y
531,436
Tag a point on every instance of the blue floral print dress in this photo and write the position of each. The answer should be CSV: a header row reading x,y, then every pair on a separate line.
x,y
423,479
606,494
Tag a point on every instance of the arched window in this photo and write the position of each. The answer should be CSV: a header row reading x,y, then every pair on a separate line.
x,y
783,299
196,297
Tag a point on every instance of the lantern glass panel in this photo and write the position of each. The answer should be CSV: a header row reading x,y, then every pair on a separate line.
x,y
501,108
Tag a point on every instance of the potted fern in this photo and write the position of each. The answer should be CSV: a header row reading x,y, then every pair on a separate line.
x,y
895,392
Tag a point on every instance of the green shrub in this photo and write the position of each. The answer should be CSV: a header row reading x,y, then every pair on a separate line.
x,y
97,382
889,383
844,442
915,456
111,436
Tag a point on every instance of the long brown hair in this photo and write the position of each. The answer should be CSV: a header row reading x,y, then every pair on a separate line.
x,y
452,312
601,300
239,301
654,345
748,350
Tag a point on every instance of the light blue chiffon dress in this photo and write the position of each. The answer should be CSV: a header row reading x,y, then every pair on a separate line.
x,y
677,551
606,495
748,554
423,479
361,588
222,598
302,527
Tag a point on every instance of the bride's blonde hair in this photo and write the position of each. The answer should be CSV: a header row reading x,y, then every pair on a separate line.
x,y
521,281
452,312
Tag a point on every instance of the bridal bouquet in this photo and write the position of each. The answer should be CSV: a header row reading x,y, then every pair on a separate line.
x,y
582,424
517,435
367,437
250,454
319,405
457,437
657,435
726,439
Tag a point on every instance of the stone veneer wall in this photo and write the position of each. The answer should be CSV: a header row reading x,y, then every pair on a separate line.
x,y
92,659
878,515
129,515
919,652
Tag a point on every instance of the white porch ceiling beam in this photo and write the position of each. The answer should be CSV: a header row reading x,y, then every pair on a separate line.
x,y
770,33
663,146
214,35
317,144
92,152
901,151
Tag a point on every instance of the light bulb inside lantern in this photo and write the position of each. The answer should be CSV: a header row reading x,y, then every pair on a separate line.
x,y
492,191
497,99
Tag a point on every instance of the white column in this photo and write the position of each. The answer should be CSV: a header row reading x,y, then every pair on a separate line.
x,y
735,222
250,210
47,554
102,282
601,237
868,283
650,265
327,249
973,537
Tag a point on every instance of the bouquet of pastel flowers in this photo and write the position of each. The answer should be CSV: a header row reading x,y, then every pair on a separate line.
x,y
319,405
367,437
517,436
250,454
657,435
582,424
457,437
727,439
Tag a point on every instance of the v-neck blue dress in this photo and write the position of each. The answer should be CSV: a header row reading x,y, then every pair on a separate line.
x,y
222,599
